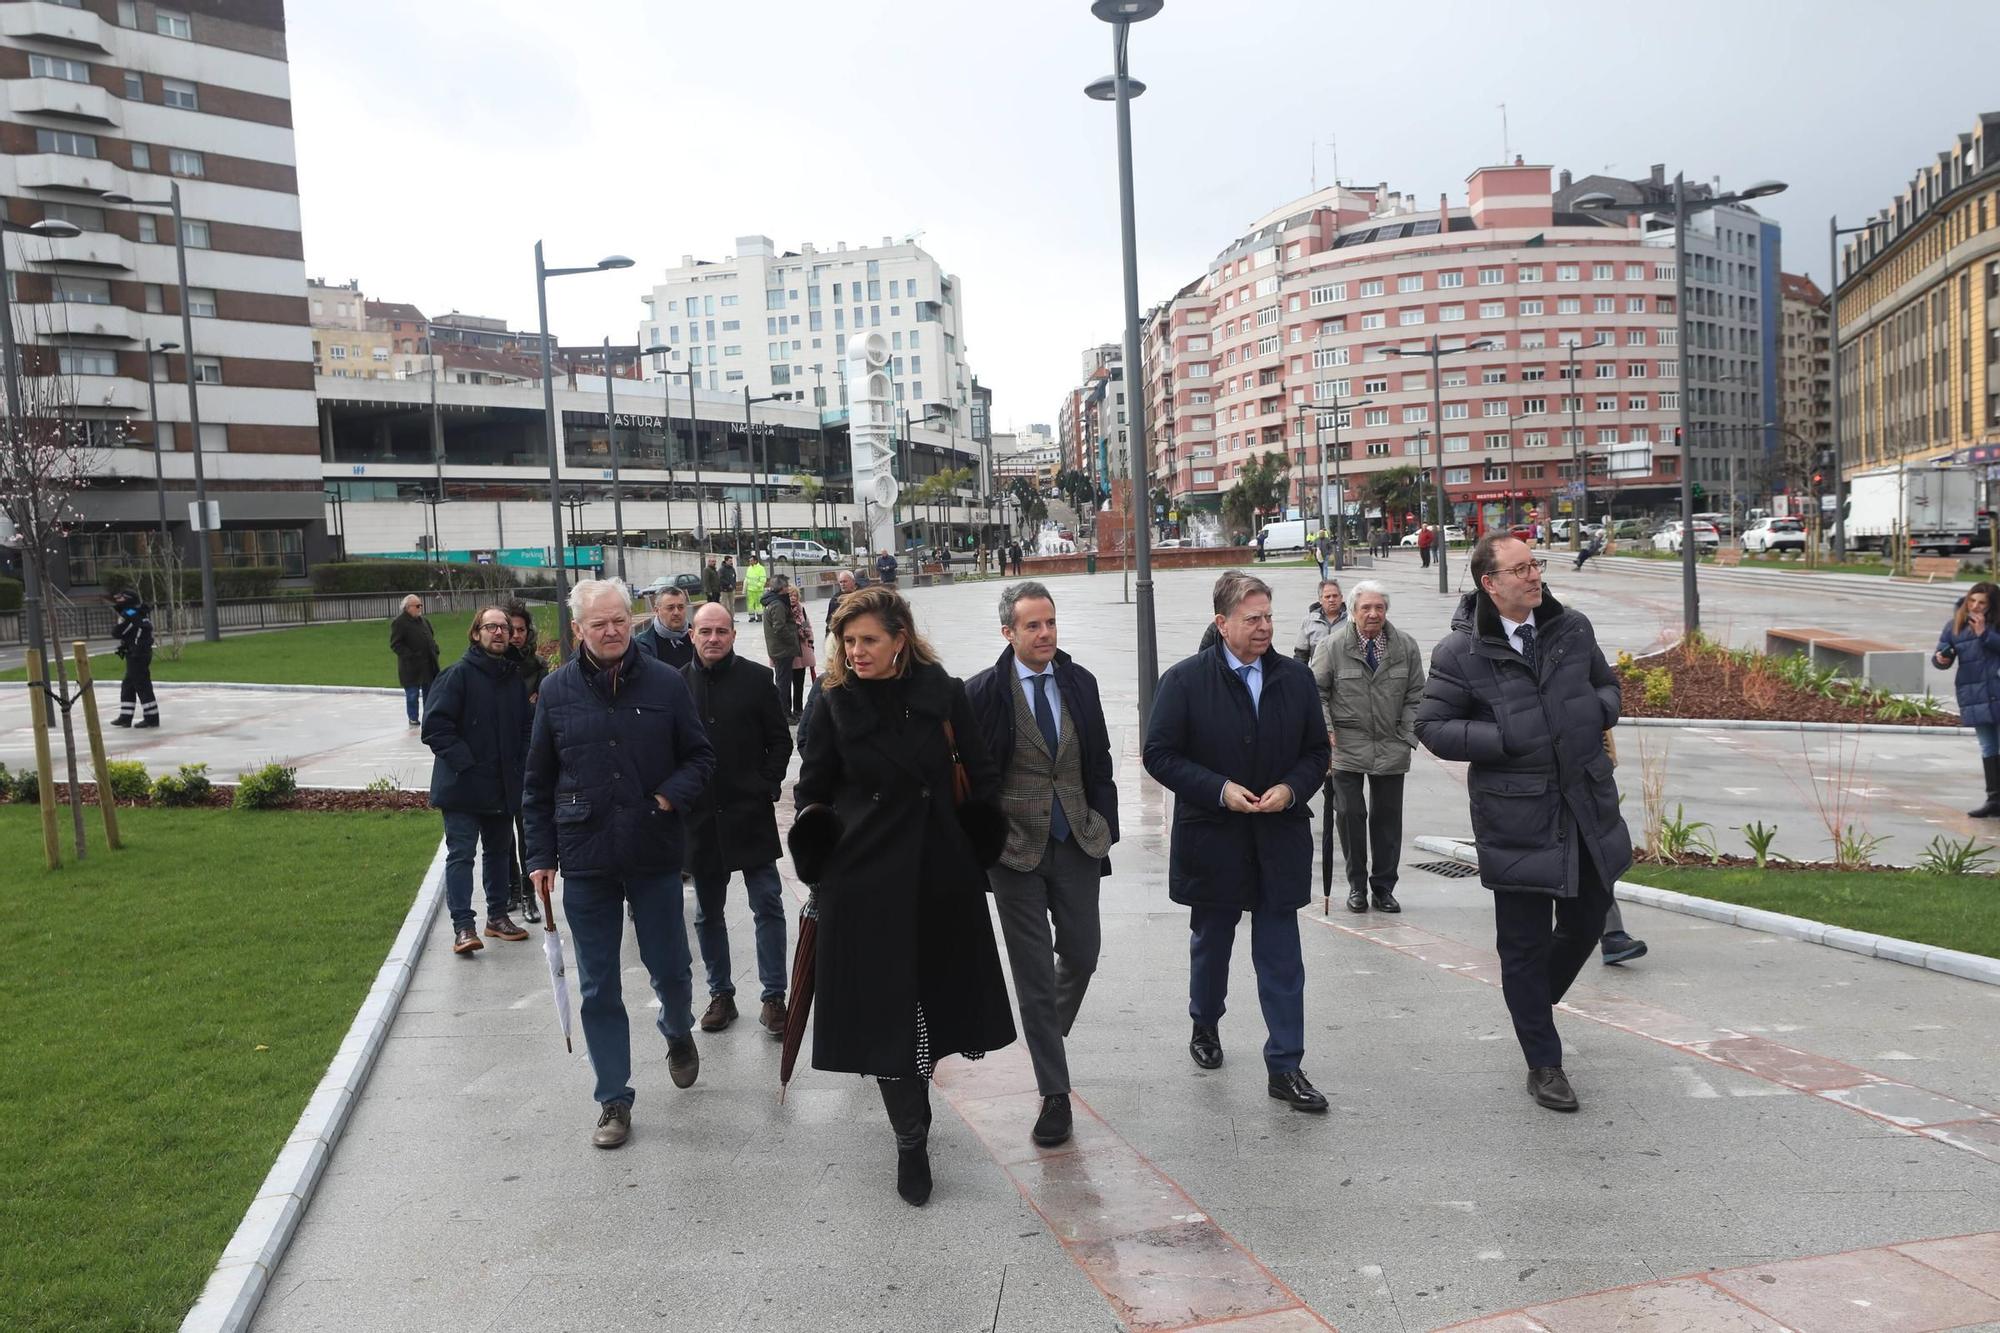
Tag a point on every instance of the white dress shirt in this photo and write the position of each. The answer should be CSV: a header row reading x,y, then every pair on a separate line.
x,y
1513,629
1027,679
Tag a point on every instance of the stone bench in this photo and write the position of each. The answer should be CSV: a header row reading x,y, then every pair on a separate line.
x,y
1881,665
1728,555
1933,567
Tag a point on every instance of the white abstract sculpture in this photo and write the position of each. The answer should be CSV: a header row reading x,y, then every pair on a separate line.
x,y
871,437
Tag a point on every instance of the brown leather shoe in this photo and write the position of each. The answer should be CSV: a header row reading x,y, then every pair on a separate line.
x,y
683,1062
502,927
721,1012
772,1016
465,940
614,1125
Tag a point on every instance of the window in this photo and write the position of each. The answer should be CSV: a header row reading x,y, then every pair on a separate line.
x,y
1410,282
1608,403
1331,292
1531,307
1372,287
86,361
1457,476
172,23
379,353
1607,434
1636,371
1268,315
1635,305
1329,356
1496,472
67,142
1670,370
1568,272
85,216
178,93
1670,402
1569,305
201,303
128,13
1605,305
1405,318
194,235
1493,310
1450,313
1492,277
1451,278
1495,376
1452,379
1530,341
1635,273
1375,385
1600,272
1666,337
1493,407
1375,416
1378,448
338,352
1416,413
135,87
1535,439
1455,411
1635,337
1373,321
1534,406
1530,273
1266,346
184,162
85,291
1607,370
726,301
55,67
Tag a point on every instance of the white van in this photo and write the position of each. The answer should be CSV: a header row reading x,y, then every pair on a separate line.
x,y
800,551
1285,535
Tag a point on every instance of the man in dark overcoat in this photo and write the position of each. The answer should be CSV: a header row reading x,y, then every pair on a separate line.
x,y
1520,690
1236,735
734,827
415,645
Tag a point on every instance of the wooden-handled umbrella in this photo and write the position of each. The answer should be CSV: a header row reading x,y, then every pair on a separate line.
x,y
804,978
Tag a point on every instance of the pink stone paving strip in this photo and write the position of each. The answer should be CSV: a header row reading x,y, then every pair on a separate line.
x,y
1933,1115
1160,1261
1918,1287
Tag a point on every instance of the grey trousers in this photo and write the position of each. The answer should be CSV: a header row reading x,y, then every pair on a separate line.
x,y
1614,920
1049,978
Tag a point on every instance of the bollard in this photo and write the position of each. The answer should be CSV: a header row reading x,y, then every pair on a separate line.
x,y
37,695
106,800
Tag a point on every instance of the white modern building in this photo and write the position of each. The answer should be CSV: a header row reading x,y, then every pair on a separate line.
x,y
776,324
133,100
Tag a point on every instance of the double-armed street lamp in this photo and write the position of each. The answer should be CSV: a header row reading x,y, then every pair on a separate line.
x,y
1435,352
554,424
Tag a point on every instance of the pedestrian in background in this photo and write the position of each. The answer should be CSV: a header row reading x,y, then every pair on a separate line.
x,y
781,636
134,632
711,581
476,722
415,645
805,666
1971,643
754,579
1426,538
1237,735
617,754
908,972
1593,545
665,633
726,580
843,583
521,638
733,827
1520,691
1043,723
1371,679
1329,610
885,569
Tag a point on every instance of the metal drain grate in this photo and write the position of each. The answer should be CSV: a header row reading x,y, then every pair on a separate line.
x,y
1448,869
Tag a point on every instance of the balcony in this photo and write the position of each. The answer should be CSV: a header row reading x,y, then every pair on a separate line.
x,y
82,319
59,171
39,21
113,391
98,249
60,97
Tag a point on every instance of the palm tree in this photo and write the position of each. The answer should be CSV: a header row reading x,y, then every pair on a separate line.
x,y
811,488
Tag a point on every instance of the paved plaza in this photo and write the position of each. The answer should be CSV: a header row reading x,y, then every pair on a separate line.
x,y
1752,1105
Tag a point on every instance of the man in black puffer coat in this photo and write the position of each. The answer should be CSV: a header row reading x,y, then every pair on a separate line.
x,y
617,756
1520,690
477,725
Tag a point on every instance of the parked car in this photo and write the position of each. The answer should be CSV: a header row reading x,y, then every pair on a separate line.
x,y
1722,523
800,551
1559,529
1706,538
687,583
1775,534
1629,530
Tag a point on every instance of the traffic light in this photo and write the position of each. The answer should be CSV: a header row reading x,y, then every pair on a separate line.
x,y
1697,490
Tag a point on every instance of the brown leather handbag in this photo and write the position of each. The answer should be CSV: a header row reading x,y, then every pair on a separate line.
x,y
961,784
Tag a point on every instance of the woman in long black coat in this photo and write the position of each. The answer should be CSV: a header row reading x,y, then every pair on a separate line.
x,y
907,968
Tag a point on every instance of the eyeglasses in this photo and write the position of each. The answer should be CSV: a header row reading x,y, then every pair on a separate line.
x,y
1520,571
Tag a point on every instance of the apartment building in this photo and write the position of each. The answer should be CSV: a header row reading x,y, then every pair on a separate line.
x,y
1805,377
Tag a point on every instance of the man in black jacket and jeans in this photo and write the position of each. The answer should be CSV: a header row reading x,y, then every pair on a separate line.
x,y
1044,727
477,725
616,756
734,826
1520,690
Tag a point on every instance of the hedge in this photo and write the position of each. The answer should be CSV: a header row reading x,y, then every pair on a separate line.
x,y
10,594
394,576
235,582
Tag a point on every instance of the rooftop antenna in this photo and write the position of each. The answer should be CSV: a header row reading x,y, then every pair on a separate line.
x,y
1506,147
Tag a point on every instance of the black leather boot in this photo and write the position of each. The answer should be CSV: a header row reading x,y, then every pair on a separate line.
x,y
1990,810
908,1101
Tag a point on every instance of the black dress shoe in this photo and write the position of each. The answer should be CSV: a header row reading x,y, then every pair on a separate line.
x,y
1386,902
1550,1088
1053,1125
1293,1087
1357,900
1206,1047
1622,948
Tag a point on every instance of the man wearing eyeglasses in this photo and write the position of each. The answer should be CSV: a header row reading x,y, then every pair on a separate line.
x,y
1520,690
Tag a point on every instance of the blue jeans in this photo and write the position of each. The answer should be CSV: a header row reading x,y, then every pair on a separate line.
x,y
1281,977
1989,739
465,831
767,910
413,702
595,908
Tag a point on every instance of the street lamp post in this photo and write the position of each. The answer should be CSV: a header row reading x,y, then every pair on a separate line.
x,y
1120,89
1513,478
1339,479
211,628
694,438
31,573
159,467
1834,231
1683,431
759,460
554,426
611,431
1435,354
666,433
1579,457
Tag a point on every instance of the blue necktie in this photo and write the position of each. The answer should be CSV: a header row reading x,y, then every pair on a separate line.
x,y
1045,718
1369,657
1243,674
1527,633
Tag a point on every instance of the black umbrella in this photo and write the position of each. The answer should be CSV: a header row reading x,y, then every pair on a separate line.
x,y
1326,850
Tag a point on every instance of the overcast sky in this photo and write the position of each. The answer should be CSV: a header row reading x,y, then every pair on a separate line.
x,y
438,141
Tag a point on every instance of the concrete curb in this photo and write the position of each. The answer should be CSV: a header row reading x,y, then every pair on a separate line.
x,y
1951,962
1756,724
1874,586
236,1286
249,685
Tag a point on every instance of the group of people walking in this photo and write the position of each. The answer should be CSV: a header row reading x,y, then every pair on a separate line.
x,y
919,795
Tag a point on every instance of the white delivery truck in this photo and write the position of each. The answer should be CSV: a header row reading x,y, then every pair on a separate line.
x,y
1287,534
1936,507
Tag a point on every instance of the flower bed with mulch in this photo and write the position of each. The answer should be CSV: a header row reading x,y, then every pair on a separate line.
x,y
320,799
1706,680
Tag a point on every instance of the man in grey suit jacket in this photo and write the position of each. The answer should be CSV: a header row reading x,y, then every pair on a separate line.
x,y
1044,726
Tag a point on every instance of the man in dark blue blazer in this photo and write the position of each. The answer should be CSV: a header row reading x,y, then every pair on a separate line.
x,y
1237,735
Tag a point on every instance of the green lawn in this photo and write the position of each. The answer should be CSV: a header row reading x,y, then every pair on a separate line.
x,y
1877,568
1951,911
355,653
169,1010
